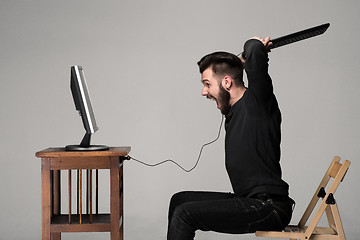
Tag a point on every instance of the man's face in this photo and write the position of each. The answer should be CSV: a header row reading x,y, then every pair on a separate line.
x,y
213,90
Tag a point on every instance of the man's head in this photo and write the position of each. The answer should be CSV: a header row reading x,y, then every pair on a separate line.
x,y
221,72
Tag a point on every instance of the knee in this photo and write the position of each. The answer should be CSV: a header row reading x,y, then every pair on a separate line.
x,y
178,199
175,197
181,206
182,197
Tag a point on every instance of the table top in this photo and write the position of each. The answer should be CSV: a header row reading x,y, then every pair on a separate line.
x,y
54,152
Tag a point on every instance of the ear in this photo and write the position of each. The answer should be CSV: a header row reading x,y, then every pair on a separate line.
x,y
227,82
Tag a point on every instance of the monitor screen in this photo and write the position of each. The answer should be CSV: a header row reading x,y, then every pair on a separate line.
x,y
83,105
82,100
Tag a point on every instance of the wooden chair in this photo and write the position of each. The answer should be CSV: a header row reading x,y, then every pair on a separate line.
x,y
328,204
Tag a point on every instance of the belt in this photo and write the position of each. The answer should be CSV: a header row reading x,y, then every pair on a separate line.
x,y
273,197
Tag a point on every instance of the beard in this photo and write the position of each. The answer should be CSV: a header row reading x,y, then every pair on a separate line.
x,y
223,100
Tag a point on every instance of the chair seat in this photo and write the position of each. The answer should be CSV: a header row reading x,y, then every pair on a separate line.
x,y
296,229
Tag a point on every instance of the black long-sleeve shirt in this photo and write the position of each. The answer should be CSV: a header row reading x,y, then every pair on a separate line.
x,y
253,134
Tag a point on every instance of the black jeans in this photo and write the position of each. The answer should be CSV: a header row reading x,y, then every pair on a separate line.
x,y
224,213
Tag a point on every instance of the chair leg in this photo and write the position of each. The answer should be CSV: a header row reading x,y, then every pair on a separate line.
x,y
338,223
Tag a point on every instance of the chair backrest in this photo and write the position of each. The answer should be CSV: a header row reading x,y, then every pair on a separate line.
x,y
335,167
336,171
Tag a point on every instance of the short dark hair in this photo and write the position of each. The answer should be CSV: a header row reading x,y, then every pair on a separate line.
x,y
223,63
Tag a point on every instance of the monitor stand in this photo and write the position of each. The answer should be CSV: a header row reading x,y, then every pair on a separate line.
x,y
85,145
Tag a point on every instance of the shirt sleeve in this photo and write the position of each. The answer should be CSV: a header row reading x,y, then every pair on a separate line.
x,y
256,67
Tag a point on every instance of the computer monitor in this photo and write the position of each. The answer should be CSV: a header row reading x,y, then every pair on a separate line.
x,y
83,105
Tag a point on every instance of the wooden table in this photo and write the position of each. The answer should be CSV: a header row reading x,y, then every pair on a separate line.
x,y
53,160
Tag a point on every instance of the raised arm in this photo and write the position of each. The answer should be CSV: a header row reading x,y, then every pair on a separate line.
x,y
255,58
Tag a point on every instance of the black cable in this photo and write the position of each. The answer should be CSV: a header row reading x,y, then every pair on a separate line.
x,y
170,160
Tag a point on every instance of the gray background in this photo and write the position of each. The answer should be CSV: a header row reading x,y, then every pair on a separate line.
x,y
140,62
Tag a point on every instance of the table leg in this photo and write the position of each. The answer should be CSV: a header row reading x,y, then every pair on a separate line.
x,y
115,198
56,236
121,202
45,198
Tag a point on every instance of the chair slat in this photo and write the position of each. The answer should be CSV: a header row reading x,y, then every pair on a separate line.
x,y
335,168
69,184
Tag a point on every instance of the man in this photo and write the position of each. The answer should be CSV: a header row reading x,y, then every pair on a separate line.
x,y
252,151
